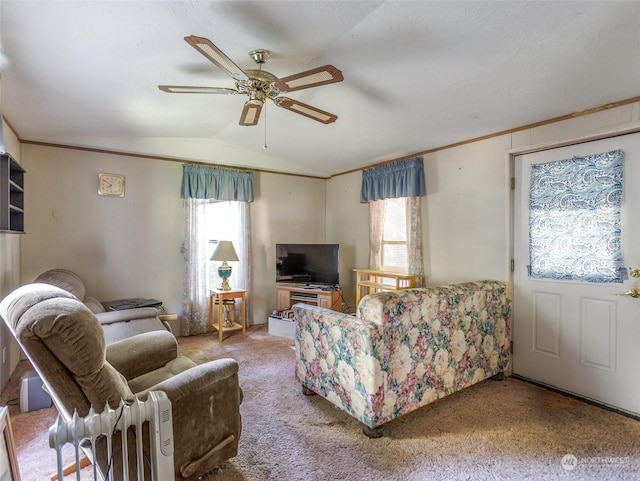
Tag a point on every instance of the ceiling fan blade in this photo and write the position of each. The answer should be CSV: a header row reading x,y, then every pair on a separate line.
x,y
213,53
183,89
311,78
306,110
250,113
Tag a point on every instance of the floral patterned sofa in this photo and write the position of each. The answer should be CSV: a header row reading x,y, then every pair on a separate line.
x,y
403,349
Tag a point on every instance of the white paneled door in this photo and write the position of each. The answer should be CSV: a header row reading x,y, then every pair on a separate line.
x,y
582,338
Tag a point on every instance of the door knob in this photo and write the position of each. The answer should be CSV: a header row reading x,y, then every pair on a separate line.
x,y
633,292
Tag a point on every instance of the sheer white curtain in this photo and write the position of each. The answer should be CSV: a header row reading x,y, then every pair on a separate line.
x,y
194,286
414,237
415,264
376,230
207,222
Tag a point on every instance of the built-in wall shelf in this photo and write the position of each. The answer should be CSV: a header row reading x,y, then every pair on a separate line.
x,y
11,195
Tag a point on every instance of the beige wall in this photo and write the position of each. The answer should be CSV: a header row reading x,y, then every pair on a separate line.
x,y
131,246
464,216
120,247
348,225
287,209
466,213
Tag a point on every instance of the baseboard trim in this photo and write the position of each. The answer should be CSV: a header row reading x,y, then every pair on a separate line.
x,y
593,402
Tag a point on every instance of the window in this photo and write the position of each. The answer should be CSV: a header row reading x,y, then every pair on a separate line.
x,y
216,207
207,221
575,219
394,191
394,254
223,219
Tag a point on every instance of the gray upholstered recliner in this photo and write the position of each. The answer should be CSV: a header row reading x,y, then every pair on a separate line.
x,y
117,325
65,344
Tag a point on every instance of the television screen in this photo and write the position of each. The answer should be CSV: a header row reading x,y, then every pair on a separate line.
x,y
308,263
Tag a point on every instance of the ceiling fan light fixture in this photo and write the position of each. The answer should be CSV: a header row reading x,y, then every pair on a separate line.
x,y
257,96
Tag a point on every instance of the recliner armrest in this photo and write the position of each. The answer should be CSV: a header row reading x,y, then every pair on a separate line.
x,y
198,378
142,353
205,402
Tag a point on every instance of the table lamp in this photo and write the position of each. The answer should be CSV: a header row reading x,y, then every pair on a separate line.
x,y
224,252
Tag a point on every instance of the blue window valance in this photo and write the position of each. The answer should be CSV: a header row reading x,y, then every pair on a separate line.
x,y
204,182
402,178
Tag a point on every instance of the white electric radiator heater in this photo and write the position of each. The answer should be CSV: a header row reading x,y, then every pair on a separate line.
x,y
156,410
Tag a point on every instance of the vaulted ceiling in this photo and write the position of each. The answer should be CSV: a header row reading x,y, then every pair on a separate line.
x,y
417,74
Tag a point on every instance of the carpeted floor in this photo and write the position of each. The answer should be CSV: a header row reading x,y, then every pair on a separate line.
x,y
496,430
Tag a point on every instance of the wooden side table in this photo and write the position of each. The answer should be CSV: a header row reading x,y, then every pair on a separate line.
x,y
368,281
221,296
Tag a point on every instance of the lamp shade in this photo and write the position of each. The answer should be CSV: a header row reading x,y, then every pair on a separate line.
x,y
224,252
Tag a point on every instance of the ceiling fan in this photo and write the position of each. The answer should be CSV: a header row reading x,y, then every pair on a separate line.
x,y
260,85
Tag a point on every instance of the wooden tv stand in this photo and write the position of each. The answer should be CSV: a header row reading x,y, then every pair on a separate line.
x,y
289,294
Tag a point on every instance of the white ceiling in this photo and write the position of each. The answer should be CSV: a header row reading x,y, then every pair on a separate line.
x,y
417,74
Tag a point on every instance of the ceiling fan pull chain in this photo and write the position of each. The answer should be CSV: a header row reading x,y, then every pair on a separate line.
x,y
265,127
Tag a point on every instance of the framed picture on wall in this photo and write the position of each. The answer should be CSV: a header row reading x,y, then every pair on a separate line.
x,y
8,461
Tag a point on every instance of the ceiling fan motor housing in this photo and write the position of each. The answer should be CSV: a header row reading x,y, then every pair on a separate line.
x,y
259,87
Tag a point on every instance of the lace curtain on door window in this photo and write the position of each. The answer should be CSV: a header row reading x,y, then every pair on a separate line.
x,y
574,219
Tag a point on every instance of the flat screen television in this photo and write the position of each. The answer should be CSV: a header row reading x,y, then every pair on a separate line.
x,y
308,263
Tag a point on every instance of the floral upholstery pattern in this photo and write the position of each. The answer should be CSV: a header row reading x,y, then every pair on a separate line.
x,y
403,349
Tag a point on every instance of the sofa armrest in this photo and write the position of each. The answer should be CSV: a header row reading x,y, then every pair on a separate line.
x,y
142,353
340,357
119,325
